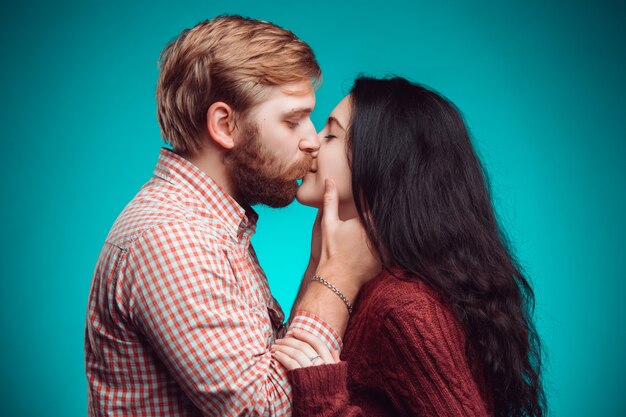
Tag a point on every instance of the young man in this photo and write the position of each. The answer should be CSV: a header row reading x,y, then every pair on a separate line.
x,y
180,317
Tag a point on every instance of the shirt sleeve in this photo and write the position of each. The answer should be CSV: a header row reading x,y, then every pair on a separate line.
x,y
185,299
304,320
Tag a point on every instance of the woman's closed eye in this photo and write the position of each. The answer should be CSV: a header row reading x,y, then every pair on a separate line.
x,y
330,137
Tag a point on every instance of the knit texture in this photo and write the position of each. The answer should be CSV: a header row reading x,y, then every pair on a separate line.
x,y
404,355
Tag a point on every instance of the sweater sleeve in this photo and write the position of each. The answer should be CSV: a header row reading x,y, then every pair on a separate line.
x,y
321,391
435,374
423,370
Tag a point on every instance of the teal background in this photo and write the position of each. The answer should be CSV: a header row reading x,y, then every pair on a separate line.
x,y
541,85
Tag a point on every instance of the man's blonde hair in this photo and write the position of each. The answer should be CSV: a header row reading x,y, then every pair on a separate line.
x,y
230,59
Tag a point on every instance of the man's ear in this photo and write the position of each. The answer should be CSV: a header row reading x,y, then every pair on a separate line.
x,y
220,120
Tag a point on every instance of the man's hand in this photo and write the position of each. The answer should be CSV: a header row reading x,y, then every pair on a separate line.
x,y
316,242
347,259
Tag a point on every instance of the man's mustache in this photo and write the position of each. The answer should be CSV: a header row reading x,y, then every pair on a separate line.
x,y
300,168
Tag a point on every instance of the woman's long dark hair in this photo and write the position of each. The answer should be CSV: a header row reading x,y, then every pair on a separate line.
x,y
422,194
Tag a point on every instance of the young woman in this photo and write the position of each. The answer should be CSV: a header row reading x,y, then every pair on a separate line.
x,y
446,328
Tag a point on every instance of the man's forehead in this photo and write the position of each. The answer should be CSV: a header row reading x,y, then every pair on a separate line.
x,y
295,97
298,89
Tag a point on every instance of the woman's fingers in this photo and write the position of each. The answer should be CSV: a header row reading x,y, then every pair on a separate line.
x,y
298,356
314,343
287,361
304,347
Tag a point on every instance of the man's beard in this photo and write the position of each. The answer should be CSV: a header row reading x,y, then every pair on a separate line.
x,y
258,176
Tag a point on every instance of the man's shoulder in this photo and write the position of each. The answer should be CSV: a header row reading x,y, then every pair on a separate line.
x,y
160,208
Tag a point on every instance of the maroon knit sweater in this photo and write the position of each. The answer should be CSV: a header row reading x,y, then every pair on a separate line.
x,y
403,355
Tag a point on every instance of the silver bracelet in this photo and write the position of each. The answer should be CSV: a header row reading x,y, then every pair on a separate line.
x,y
333,289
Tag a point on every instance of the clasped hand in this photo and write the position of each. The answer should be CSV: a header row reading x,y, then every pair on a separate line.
x,y
302,349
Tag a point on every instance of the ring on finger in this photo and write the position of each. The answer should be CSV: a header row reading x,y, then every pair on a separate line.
x,y
313,359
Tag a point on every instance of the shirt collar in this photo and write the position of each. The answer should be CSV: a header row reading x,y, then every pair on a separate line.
x,y
177,170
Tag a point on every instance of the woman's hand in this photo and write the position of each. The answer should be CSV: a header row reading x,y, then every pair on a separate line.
x,y
301,349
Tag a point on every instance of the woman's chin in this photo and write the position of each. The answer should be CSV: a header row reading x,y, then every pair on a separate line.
x,y
307,199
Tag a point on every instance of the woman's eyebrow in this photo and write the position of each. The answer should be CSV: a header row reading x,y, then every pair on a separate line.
x,y
332,119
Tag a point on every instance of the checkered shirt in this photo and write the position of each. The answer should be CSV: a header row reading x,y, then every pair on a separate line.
x,y
180,316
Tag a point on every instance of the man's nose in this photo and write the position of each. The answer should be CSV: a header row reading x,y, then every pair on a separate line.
x,y
310,142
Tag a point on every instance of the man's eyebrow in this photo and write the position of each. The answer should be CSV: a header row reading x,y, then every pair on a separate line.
x,y
332,119
302,111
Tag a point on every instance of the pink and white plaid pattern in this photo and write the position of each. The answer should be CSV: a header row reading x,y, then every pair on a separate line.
x,y
180,316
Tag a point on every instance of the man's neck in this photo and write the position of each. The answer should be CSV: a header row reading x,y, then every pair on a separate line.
x,y
211,162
